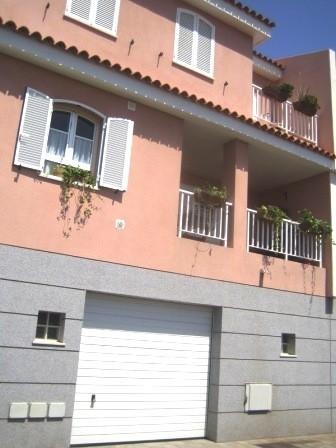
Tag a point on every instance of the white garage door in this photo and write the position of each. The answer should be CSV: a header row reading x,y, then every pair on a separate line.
x,y
143,371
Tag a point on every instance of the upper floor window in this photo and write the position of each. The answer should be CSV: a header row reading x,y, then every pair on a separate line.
x,y
194,42
100,14
54,133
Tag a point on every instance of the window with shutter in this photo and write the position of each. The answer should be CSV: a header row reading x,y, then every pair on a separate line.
x,y
117,154
100,14
33,133
54,134
194,42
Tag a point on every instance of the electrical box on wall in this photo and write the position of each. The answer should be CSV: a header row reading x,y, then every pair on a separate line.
x,y
18,410
258,397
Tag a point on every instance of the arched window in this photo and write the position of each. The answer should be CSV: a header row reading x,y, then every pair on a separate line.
x,y
56,133
73,138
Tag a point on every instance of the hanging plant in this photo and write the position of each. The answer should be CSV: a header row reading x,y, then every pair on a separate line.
x,y
307,103
280,92
275,215
77,184
314,226
211,195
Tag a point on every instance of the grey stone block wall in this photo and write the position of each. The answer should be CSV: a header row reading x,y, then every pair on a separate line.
x,y
246,349
246,345
34,373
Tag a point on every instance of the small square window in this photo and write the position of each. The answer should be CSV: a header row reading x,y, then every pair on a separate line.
x,y
288,344
50,326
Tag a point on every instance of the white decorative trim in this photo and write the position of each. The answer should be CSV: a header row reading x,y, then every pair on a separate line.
x,y
66,64
266,69
235,17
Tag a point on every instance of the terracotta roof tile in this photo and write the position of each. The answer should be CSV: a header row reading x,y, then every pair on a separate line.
x,y
265,58
145,78
251,12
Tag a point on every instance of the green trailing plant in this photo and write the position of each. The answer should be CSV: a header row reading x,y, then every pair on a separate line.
x,y
211,195
275,215
306,103
314,226
281,92
77,185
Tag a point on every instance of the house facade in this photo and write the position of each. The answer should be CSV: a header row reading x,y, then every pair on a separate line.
x,y
131,307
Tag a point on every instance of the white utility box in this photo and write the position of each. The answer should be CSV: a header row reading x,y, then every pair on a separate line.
x,y
18,410
56,410
258,397
38,410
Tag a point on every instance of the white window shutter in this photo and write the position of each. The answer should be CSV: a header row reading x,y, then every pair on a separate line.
x,y
79,8
107,14
204,47
117,154
34,129
185,36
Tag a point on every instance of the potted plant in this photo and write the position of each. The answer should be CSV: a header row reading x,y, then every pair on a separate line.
x,y
307,104
314,226
271,213
280,92
211,195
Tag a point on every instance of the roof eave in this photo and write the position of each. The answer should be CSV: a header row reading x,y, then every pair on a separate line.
x,y
235,17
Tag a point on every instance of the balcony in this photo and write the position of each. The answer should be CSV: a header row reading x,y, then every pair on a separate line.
x,y
204,223
283,115
288,241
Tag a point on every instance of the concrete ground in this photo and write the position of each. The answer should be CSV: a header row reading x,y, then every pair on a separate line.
x,y
315,441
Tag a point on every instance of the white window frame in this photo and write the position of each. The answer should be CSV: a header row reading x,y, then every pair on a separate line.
x,y
69,150
193,65
47,325
91,21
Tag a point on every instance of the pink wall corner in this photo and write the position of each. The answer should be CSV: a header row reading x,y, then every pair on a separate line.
x,y
312,71
151,25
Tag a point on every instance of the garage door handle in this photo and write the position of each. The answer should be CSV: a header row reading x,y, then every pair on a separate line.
x,y
93,400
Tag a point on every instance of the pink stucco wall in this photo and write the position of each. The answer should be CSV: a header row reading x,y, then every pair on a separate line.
x,y
312,72
151,25
31,207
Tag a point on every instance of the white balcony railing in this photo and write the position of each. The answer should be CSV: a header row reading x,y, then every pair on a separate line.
x,y
283,115
288,240
202,222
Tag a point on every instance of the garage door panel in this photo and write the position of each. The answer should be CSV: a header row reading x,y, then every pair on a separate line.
x,y
146,363
100,412
146,398
145,389
144,366
134,437
175,312
139,374
106,403
126,428
151,325
137,336
137,421
151,356
98,382
200,344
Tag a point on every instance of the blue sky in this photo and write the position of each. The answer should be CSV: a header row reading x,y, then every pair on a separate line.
x,y
302,26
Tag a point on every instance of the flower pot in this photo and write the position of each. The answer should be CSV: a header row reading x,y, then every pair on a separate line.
x,y
274,92
306,108
209,200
